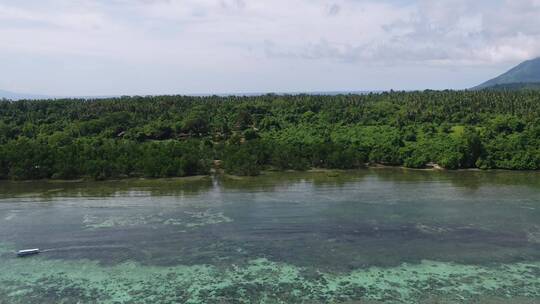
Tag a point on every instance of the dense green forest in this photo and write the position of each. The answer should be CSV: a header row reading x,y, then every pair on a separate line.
x,y
180,136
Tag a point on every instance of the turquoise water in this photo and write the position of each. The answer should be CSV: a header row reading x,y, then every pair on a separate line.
x,y
370,236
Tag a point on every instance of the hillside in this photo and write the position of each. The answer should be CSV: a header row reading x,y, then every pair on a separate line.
x,y
521,76
515,86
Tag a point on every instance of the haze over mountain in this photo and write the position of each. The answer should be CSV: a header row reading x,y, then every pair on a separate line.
x,y
526,74
17,96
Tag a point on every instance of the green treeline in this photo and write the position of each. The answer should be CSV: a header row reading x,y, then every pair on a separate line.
x,y
170,136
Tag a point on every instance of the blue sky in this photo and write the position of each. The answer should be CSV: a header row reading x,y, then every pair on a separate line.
x,y
109,47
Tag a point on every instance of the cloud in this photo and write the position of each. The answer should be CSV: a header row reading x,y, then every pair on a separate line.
x,y
198,38
333,9
457,32
424,31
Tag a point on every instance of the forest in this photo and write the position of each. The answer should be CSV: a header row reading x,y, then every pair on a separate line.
x,y
173,136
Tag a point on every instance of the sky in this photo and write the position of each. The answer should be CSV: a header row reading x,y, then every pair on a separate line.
x,y
142,47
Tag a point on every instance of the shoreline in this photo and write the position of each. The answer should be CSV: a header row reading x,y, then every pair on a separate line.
x,y
220,172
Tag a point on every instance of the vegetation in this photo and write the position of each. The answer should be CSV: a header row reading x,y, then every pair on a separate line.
x,y
515,86
169,136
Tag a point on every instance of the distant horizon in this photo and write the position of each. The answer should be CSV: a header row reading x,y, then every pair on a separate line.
x,y
156,47
23,96
4,90
219,93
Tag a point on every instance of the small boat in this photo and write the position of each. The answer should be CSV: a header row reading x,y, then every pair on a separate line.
x,y
27,252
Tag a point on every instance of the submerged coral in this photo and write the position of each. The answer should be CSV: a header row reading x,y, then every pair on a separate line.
x,y
533,234
40,280
190,219
199,219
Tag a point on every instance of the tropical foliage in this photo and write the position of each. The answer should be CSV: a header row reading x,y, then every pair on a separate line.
x,y
179,136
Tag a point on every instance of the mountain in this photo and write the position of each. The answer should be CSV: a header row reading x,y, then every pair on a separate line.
x,y
524,75
515,86
18,96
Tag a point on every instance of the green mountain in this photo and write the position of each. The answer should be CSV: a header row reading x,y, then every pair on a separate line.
x,y
514,86
524,76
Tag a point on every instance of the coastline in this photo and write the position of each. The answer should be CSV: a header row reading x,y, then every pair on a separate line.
x,y
222,173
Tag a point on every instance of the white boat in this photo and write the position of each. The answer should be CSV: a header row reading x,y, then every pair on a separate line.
x,y
26,252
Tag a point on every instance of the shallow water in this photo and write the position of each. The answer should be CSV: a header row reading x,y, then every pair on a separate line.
x,y
369,236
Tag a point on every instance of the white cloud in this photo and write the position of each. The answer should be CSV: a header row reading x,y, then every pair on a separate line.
x,y
199,37
443,32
